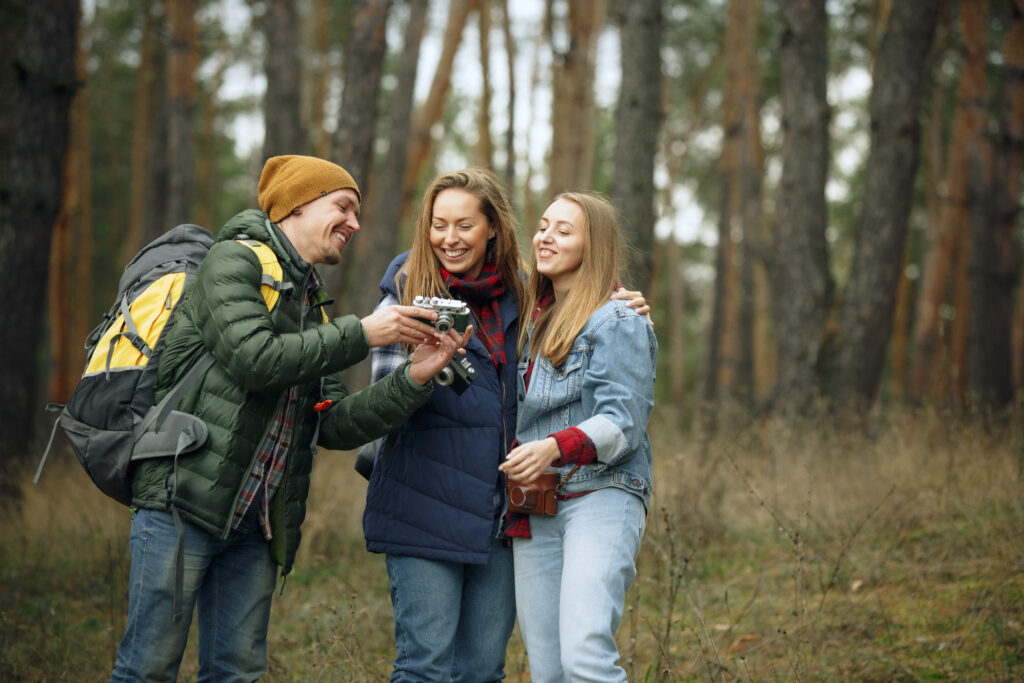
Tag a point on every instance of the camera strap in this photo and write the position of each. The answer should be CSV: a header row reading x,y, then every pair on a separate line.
x,y
561,484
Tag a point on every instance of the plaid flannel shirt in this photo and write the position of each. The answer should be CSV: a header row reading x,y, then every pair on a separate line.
x,y
385,359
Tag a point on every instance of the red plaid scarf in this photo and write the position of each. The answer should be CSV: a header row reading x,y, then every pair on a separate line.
x,y
482,293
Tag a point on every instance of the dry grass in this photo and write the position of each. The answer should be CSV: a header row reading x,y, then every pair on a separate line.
x,y
778,553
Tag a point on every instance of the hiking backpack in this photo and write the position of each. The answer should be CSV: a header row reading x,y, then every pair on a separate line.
x,y
110,419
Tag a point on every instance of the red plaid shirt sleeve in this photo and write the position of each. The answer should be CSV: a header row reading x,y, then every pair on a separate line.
x,y
575,447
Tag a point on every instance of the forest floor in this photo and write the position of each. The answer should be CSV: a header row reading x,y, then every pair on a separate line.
x,y
773,554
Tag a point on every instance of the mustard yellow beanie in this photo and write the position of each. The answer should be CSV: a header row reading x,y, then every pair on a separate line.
x,y
290,181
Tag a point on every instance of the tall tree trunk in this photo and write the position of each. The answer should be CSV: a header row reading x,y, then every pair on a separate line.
x,y
992,272
386,213
142,127
205,168
1009,160
69,305
357,118
869,299
157,216
320,78
510,131
637,128
181,64
744,17
994,198
483,154
802,282
37,77
968,121
572,115
282,104
430,111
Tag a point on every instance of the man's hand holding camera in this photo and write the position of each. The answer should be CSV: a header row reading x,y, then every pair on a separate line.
x,y
400,325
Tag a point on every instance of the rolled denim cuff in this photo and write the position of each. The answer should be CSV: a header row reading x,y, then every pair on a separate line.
x,y
608,439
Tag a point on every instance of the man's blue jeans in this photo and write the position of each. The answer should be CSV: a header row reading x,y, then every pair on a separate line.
x,y
452,620
232,582
571,582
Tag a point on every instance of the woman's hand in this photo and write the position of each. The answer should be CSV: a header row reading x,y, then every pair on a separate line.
x,y
528,461
430,357
634,300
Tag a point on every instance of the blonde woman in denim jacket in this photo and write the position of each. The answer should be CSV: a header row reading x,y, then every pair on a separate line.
x,y
585,391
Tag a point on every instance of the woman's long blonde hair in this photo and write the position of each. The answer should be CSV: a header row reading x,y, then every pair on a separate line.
x,y
557,326
422,271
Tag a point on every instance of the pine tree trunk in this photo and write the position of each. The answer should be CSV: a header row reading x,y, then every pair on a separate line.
x,y
282,105
869,299
993,198
510,131
572,117
142,125
968,120
320,78
181,63
637,128
430,111
382,240
1011,158
483,154
357,123
802,285
37,77
70,254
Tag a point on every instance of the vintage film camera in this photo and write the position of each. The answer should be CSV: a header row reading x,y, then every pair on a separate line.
x,y
451,313
535,498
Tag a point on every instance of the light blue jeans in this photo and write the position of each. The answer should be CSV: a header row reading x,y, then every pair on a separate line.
x,y
452,620
231,580
571,582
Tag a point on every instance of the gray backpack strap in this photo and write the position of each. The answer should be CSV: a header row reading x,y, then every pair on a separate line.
x,y
158,413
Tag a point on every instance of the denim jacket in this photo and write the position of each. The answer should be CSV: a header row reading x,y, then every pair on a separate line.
x,y
606,389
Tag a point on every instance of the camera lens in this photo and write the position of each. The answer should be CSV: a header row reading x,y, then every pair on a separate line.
x,y
522,497
443,323
445,377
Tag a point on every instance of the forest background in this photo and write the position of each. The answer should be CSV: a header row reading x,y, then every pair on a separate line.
x,y
823,199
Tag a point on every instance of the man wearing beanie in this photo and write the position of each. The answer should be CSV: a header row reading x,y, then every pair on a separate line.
x,y
272,395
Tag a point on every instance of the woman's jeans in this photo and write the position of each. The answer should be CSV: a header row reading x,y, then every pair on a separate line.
x,y
571,580
452,620
231,580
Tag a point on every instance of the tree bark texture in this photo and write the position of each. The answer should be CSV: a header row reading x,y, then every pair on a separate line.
x,y
381,241
183,58
37,77
430,111
71,277
572,117
968,120
869,298
384,219
992,272
483,154
637,128
993,200
142,131
282,106
357,120
802,282
1010,158
510,63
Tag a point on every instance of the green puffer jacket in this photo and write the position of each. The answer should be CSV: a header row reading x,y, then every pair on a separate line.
x,y
258,355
